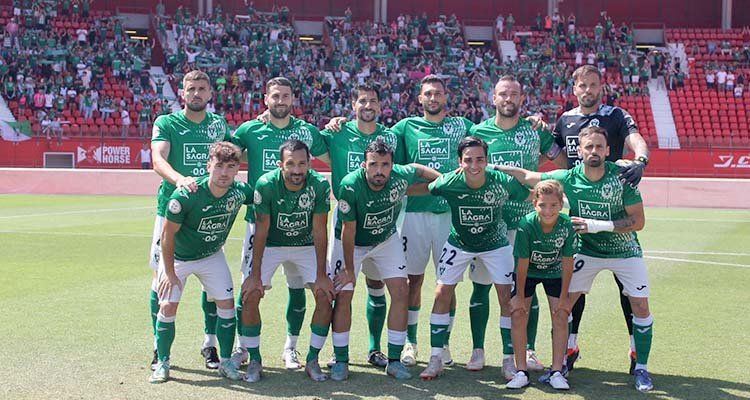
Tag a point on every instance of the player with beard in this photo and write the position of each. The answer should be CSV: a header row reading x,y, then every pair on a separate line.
x,y
179,146
623,133
261,140
346,149
512,141
606,213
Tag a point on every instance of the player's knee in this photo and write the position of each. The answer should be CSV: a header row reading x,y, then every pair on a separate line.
x,y
344,298
444,293
373,284
168,309
399,291
639,306
321,299
252,299
415,283
226,304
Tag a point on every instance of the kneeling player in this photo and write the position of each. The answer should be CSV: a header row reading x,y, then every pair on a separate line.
x,y
370,200
197,225
544,255
291,215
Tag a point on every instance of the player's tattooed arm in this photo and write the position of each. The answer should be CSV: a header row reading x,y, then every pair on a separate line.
x,y
425,172
635,221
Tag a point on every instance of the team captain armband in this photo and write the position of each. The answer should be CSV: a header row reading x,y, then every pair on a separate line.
x,y
553,151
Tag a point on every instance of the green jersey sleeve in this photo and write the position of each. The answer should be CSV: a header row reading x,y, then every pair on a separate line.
x,y
239,135
323,193
263,196
409,172
347,202
178,206
630,195
319,146
162,131
516,191
521,248
560,175
546,141
569,247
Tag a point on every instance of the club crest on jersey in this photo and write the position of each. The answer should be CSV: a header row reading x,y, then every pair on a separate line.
x,y
215,130
594,122
344,206
304,201
489,198
231,204
393,196
607,190
257,197
520,138
559,242
174,206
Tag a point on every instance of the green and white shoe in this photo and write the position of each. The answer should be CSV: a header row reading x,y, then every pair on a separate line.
x,y
161,372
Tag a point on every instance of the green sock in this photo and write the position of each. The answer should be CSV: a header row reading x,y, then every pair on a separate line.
x,y
164,338
209,315
452,314
643,333
479,313
505,334
394,351
153,303
317,340
341,346
533,323
376,312
411,328
225,328
295,311
438,330
252,332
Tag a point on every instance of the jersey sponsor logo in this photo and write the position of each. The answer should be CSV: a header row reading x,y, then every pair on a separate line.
x,y
544,259
214,224
571,146
174,206
433,149
270,159
475,216
344,206
594,210
195,154
511,158
292,222
380,219
354,160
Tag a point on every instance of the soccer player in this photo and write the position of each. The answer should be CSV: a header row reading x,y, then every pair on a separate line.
x,y
179,147
511,141
623,133
196,227
476,195
291,216
261,140
606,213
370,200
544,248
346,149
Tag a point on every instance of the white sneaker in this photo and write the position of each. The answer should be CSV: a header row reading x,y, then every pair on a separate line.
x,y
558,381
520,380
409,355
447,357
254,372
290,357
476,363
433,370
239,357
532,362
161,372
509,368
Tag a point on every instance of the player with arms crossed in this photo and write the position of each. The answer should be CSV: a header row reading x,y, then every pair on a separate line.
x,y
544,248
261,140
476,195
179,145
291,216
606,213
623,133
197,225
370,200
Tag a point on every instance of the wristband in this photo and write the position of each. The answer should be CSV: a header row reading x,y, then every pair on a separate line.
x,y
595,226
642,159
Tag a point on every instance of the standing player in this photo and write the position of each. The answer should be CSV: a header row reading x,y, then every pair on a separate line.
x,y
291,216
606,212
179,148
196,227
261,140
623,133
476,196
346,149
544,248
370,200
511,141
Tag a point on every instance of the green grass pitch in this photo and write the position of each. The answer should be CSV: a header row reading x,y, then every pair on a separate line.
x,y
75,320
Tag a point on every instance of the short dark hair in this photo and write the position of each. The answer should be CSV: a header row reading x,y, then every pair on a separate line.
x,y
293,145
195,75
278,81
585,70
593,130
471,141
364,88
509,78
380,147
431,78
224,152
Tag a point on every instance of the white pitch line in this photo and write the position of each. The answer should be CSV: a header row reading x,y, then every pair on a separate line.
x,y
100,210
698,253
698,262
127,235
736,221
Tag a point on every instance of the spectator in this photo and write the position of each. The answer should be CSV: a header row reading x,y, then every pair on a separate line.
x,y
144,156
125,118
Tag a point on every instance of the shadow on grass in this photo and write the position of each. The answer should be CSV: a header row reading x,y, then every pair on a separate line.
x,y
366,381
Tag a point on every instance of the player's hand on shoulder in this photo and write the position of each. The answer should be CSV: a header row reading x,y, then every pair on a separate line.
x,y
335,124
187,182
631,172
264,117
537,123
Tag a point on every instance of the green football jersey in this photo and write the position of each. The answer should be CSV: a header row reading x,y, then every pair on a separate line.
x,y
262,141
188,146
476,214
433,145
604,200
206,220
375,211
347,149
544,250
520,147
291,213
